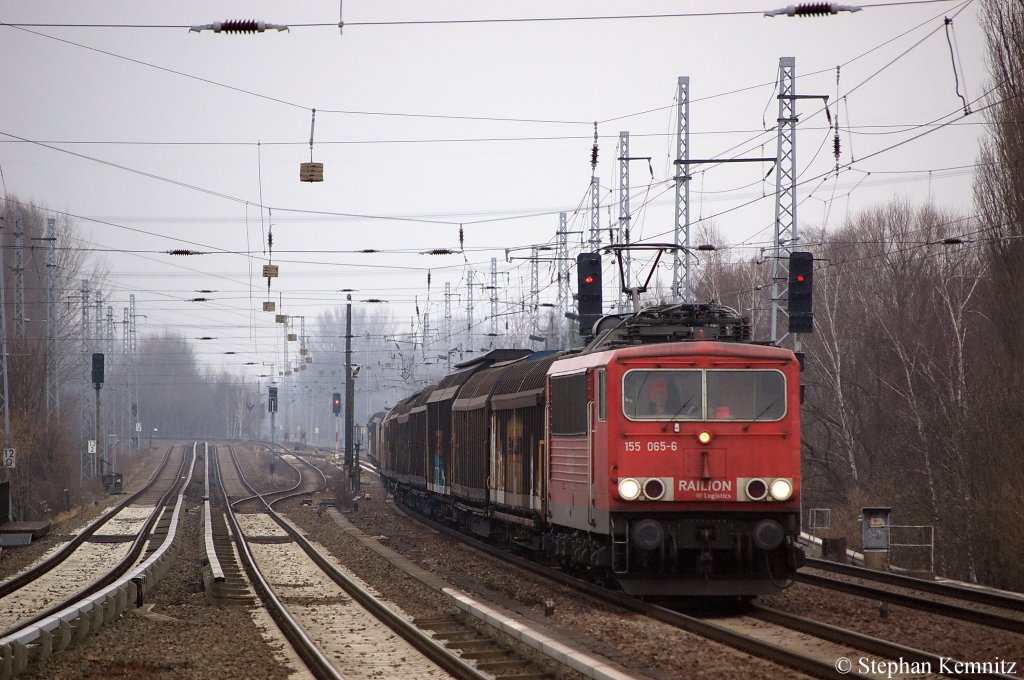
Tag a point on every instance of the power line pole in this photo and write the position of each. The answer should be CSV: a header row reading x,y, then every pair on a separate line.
x,y
785,190
494,299
469,305
108,407
8,438
52,358
350,395
98,384
682,290
19,279
286,396
128,421
98,347
132,352
595,199
6,404
305,358
623,235
426,334
448,312
85,424
534,291
563,267
132,339
786,231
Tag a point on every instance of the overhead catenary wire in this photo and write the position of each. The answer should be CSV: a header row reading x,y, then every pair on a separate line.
x,y
963,4
260,202
469,21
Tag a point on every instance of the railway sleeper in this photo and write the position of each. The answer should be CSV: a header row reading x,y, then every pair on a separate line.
x,y
486,648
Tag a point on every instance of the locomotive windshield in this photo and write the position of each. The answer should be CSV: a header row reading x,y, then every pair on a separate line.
x,y
713,394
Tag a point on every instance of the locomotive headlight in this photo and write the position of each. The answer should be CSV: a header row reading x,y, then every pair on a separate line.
x,y
629,489
756,489
781,489
704,437
654,489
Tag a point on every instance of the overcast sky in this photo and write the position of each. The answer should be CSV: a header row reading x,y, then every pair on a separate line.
x,y
156,138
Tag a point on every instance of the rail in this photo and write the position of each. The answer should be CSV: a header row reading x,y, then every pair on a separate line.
x,y
421,641
216,571
54,633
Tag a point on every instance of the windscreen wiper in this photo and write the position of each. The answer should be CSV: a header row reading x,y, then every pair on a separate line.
x,y
676,415
758,416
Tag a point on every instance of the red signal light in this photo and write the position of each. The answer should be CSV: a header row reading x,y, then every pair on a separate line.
x,y
800,278
588,279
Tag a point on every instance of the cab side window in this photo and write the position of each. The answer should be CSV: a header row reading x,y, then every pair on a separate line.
x,y
569,404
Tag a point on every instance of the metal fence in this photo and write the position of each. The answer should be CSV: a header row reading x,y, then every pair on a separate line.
x,y
912,547
819,521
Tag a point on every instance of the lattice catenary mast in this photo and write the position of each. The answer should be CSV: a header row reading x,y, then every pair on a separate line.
x,y
86,415
52,358
562,259
682,288
494,299
5,405
785,191
595,199
19,279
623,236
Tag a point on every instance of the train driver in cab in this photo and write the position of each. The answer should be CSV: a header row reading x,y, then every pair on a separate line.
x,y
673,395
658,398
662,395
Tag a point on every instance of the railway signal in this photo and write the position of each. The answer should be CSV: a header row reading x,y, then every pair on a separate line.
x,y
800,300
97,369
272,400
336,403
589,299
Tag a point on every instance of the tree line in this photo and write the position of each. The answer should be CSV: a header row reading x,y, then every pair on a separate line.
x,y
915,374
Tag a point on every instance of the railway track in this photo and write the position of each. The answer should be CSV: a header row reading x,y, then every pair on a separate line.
x,y
340,628
498,642
810,646
92,578
63,552
319,608
336,625
950,589
987,608
96,556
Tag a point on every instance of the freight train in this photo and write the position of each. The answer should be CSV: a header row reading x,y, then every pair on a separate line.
x,y
664,457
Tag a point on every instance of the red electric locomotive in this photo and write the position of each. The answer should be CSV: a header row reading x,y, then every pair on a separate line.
x,y
664,456
680,475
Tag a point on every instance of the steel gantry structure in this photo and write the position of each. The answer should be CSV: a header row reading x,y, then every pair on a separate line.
x,y
682,286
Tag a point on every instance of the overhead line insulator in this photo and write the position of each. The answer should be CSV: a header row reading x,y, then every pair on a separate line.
x,y
812,9
238,26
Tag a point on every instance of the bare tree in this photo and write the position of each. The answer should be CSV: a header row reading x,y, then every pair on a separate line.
x,y
48,460
999,194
